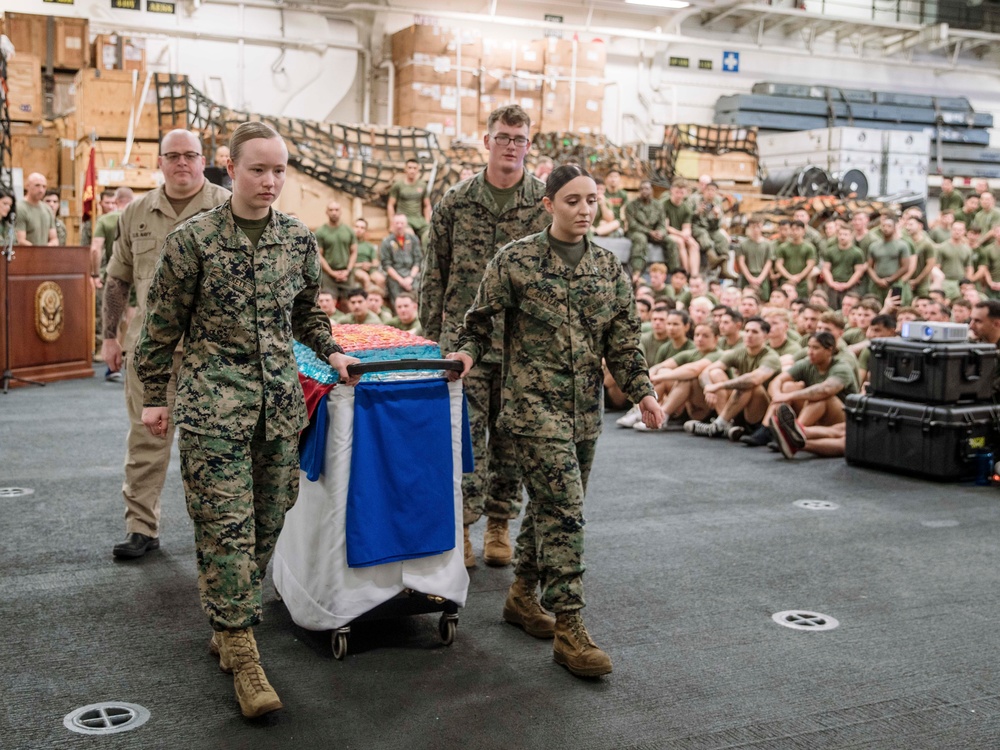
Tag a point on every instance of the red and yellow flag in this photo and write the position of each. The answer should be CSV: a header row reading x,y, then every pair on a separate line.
x,y
89,186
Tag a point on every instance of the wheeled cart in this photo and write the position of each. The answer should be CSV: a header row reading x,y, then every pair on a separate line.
x,y
312,573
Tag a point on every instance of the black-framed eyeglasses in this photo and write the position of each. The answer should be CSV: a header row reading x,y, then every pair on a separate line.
x,y
173,157
502,139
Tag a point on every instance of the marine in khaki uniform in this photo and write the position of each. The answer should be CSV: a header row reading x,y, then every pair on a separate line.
x,y
472,221
237,282
567,305
142,228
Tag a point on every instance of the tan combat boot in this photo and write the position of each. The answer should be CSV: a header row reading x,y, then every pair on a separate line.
x,y
470,556
574,649
522,608
238,649
496,543
215,649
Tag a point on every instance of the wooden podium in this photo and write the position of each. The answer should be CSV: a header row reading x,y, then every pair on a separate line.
x,y
51,324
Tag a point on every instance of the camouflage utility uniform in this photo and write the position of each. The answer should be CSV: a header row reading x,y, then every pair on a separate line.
x,y
239,405
467,229
558,325
642,218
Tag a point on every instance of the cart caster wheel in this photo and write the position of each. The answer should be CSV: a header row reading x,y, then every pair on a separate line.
x,y
339,641
446,628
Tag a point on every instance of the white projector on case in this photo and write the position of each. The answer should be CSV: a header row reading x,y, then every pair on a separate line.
x,y
922,330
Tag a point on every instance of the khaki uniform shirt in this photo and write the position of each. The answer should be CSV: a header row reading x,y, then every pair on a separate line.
x,y
560,323
142,228
238,308
467,230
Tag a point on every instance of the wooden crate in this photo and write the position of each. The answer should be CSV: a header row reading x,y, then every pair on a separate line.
x,y
24,82
106,100
732,167
35,148
140,172
116,52
30,33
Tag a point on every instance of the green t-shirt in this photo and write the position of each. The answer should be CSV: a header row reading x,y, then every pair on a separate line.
x,y
253,228
925,249
725,346
854,336
570,252
616,202
335,244
795,256
413,327
986,220
953,260
688,356
795,336
410,201
989,256
502,196
806,372
842,262
668,350
888,255
741,362
756,254
650,345
864,358
842,352
107,228
35,222
939,235
952,201
369,319
677,216
789,347
367,253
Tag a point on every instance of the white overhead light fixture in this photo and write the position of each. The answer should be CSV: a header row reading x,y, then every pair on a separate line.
x,y
672,4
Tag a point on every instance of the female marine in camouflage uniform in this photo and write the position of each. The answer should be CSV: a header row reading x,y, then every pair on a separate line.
x,y
237,282
566,304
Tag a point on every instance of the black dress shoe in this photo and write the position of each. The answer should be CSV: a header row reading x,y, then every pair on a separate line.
x,y
135,545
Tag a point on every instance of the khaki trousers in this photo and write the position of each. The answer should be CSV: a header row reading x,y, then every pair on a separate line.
x,y
146,457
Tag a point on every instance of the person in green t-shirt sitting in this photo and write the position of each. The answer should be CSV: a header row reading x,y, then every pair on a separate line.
x,y
680,241
615,195
682,397
745,395
817,385
406,314
357,310
375,300
327,302
605,224
368,266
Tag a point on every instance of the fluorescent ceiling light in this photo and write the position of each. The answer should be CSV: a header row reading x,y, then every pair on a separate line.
x,y
659,3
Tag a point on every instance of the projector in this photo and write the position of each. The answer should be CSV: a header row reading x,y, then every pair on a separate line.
x,y
921,330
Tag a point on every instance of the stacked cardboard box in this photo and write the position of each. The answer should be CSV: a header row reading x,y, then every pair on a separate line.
x,y
437,79
512,74
573,93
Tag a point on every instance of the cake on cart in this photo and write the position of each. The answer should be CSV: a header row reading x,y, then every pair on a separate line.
x,y
376,531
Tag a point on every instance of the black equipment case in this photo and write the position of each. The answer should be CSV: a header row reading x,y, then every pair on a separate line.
x,y
936,442
931,372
